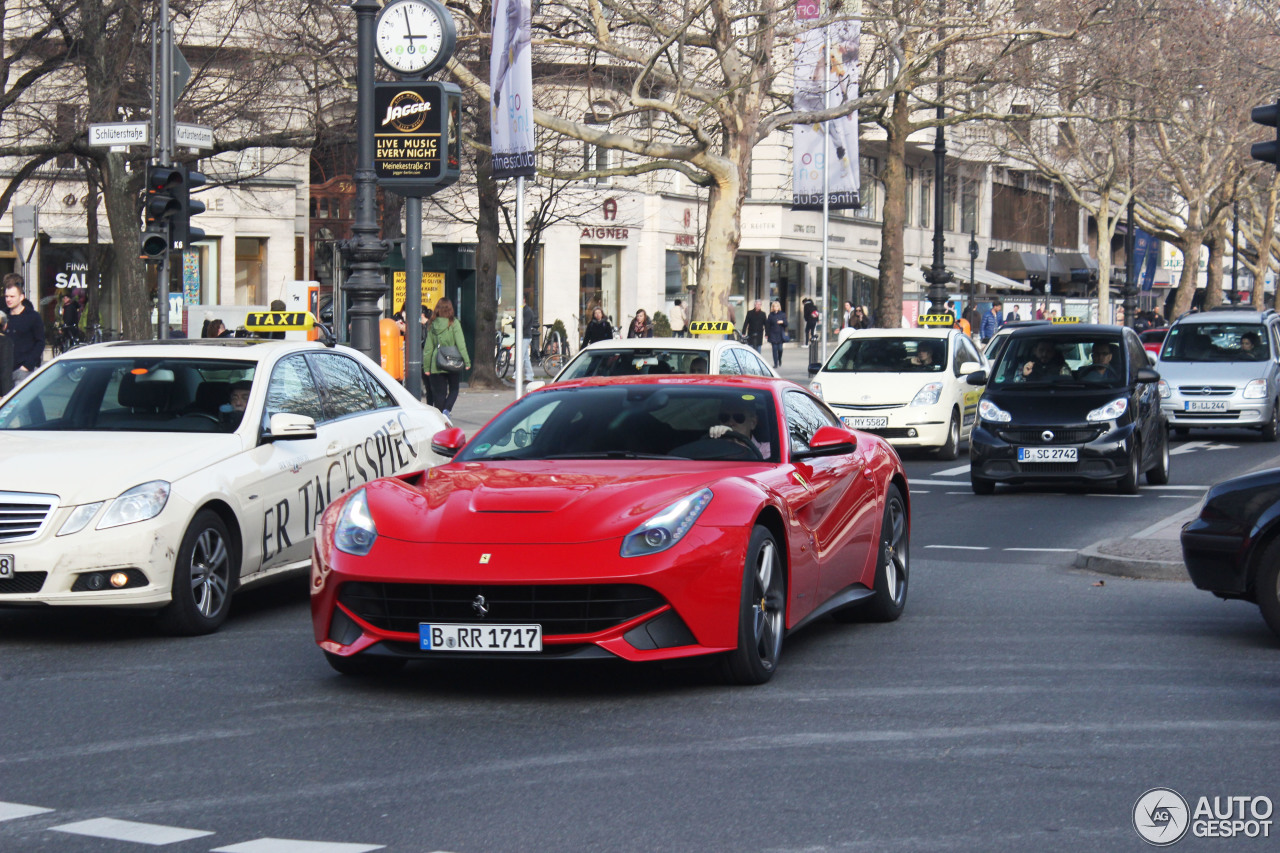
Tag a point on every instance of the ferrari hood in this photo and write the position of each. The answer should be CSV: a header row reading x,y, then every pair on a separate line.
x,y
83,467
538,503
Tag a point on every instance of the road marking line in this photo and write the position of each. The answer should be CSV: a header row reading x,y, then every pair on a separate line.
x,y
289,845
128,830
921,492
951,472
1169,488
1046,550
1188,447
960,547
913,483
961,493
1181,497
11,811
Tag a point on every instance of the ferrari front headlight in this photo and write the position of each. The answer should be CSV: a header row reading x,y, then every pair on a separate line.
x,y
355,532
667,527
137,504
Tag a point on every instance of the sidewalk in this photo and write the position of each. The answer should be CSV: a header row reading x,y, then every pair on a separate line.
x,y
1154,553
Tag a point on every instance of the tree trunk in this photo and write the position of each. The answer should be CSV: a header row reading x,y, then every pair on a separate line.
x,y
1190,242
487,325
1213,287
892,254
120,194
1105,229
1267,234
719,248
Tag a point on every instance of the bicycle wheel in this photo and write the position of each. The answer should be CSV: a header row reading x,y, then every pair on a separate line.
x,y
552,359
503,365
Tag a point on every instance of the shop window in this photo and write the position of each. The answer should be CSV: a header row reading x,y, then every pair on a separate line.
x,y
250,271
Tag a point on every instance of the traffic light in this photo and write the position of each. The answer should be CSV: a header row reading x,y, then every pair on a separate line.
x,y
1268,116
183,233
159,207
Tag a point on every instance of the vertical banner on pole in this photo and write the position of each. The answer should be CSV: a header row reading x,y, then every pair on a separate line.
x,y
511,91
813,92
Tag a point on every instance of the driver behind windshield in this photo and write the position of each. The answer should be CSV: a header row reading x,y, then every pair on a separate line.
x,y
738,421
1101,368
1046,361
239,401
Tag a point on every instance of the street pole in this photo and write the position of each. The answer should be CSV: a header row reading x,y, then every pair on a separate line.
x,y
938,276
163,121
826,178
365,251
1130,284
413,295
1235,251
973,262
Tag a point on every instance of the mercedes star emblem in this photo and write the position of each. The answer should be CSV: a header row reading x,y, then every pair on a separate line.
x,y
480,606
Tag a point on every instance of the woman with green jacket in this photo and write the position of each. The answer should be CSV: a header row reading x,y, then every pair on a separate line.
x,y
444,331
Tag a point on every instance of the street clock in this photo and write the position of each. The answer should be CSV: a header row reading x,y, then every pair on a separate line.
x,y
414,37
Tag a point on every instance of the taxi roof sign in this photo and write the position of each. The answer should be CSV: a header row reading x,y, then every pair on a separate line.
x,y
945,320
279,321
1066,320
710,327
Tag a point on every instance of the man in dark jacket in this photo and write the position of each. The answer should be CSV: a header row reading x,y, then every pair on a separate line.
x,y
755,323
26,328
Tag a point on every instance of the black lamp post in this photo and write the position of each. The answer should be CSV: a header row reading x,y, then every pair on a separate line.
x,y
973,260
938,276
365,251
1130,302
1235,251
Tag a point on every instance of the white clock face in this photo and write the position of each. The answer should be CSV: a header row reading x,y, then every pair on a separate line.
x,y
409,36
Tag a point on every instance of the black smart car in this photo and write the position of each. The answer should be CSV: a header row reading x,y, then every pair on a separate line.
x,y
1069,403
1233,548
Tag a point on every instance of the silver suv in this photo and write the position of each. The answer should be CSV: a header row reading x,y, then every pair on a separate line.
x,y
1221,369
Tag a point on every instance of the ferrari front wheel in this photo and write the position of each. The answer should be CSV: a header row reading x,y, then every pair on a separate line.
x,y
893,567
761,611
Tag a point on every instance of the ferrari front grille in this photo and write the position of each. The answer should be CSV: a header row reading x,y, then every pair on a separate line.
x,y
559,609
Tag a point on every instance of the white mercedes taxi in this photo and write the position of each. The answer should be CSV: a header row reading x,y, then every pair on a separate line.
x,y
167,474
906,385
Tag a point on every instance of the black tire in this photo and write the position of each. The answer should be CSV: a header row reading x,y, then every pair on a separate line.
x,y
1271,429
950,450
1128,484
503,364
364,666
1266,586
762,611
893,566
203,578
1159,475
981,485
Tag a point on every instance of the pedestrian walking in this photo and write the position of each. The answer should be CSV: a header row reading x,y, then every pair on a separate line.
x,y
25,329
679,322
810,313
755,326
598,328
846,321
530,321
641,326
444,347
992,320
777,332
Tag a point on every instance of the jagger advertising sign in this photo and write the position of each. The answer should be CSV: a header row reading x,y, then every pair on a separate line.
x,y
417,145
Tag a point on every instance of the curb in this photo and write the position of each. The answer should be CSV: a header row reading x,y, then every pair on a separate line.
x,y
1160,565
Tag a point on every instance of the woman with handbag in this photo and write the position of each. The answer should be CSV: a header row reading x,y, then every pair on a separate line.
x,y
444,356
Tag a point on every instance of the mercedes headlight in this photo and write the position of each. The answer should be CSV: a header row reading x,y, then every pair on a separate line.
x,y
989,411
137,504
356,532
79,518
1110,412
928,395
667,527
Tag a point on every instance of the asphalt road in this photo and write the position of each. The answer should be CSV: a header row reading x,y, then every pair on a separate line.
x,y
1018,704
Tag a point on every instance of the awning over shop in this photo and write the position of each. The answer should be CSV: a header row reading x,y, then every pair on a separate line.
x,y
1081,267
990,279
1024,265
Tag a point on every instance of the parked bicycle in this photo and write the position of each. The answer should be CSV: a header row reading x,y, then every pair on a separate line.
x,y
551,354
67,338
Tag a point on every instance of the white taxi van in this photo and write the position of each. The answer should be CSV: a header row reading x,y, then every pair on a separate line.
x,y
167,474
905,385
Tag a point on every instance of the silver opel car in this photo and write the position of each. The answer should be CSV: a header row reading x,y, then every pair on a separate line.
x,y
1221,369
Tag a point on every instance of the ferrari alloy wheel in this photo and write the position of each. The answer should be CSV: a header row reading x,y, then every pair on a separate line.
x,y
893,567
761,613
202,578
364,665
947,452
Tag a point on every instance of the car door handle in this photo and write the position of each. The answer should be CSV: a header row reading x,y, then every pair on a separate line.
x,y
334,449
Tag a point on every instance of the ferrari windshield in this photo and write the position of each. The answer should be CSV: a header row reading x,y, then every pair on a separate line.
x,y
1216,342
889,355
132,395
633,422
636,361
1087,360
